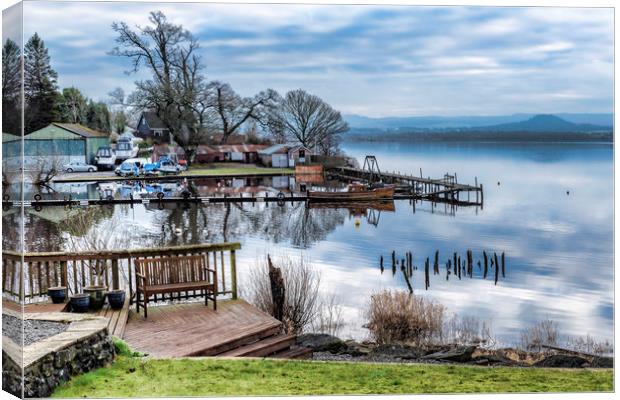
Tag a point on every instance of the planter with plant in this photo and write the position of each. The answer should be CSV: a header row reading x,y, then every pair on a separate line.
x,y
116,299
58,294
80,302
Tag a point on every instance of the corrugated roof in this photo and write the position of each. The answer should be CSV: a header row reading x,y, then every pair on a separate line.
x,y
279,148
80,130
240,148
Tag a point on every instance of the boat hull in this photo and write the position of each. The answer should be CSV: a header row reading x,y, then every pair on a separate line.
x,y
374,194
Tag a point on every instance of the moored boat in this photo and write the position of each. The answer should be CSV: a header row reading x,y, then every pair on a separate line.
x,y
355,192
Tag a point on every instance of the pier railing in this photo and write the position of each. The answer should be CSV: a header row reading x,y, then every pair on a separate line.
x,y
26,277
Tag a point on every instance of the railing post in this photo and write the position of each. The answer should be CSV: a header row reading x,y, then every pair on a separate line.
x,y
233,274
115,282
63,273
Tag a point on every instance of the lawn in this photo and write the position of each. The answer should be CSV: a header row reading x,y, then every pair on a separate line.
x,y
233,169
140,377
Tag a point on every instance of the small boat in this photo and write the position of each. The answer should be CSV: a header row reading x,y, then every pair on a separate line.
x,y
355,192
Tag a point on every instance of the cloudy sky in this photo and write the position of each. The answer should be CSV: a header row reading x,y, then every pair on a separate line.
x,y
369,60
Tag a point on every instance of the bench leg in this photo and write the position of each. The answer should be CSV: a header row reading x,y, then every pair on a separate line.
x,y
138,302
146,299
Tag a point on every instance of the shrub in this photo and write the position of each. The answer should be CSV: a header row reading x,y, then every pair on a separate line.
x,y
542,333
301,291
468,330
400,317
329,317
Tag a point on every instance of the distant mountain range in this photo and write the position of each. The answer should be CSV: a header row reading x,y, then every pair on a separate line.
x,y
543,127
433,122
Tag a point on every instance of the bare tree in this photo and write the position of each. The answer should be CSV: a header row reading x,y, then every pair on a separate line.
x,y
228,111
311,121
176,90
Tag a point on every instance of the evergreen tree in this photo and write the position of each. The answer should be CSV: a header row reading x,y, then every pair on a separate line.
x,y
39,85
72,106
98,116
11,87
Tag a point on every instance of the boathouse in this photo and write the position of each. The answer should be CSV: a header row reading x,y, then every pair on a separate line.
x,y
244,153
64,143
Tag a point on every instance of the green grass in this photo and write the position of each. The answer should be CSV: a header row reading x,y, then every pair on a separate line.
x,y
135,377
233,169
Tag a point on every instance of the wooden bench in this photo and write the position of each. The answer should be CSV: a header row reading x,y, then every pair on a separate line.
x,y
174,274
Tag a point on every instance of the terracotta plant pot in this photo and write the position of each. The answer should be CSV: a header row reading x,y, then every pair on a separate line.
x,y
80,302
97,296
116,299
58,294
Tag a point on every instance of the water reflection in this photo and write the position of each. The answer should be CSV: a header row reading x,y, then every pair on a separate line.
x,y
558,248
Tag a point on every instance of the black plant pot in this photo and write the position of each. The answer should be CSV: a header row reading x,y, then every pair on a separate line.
x,y
80,302
116,299
97,296
58,294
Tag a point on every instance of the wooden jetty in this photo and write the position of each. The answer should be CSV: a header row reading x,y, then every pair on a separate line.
x,y
443,190
175,327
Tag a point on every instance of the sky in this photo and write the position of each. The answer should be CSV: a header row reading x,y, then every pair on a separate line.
x,y
376,61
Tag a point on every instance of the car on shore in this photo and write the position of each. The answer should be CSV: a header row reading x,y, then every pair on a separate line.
x,y
78,166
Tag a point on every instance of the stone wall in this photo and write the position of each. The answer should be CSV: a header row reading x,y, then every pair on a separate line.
x,y
84,346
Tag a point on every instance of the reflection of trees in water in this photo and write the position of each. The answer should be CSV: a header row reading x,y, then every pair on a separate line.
x,y
213,223
44,228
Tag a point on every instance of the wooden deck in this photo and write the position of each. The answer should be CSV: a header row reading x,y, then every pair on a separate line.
x,y
191,329
117,318
33,307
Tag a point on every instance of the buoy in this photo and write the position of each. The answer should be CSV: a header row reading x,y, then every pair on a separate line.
x,y
567,192
357,223
497,183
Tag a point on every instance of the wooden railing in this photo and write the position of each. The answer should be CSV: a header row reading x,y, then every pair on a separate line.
x,y
26,277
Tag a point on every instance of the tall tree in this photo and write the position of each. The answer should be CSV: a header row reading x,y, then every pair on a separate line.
x,y
98,116
11,87
306,118
176,90
119,121
39,85
229,112
72,106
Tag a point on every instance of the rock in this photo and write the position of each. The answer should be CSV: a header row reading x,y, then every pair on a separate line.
x,y
357,349
562,361
602,362
321,342
457,354
398,351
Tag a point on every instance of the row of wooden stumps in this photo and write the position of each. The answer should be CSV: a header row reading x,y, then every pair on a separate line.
x,y
454,266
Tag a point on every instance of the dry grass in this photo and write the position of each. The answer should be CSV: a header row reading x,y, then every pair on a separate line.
x,y
399,317
544,332
468,330
329,319
301,282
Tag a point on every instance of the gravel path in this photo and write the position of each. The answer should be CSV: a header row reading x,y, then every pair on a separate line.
x,y
34,330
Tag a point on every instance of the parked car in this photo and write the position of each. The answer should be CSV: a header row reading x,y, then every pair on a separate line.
x,y
79,166
167,166
132,166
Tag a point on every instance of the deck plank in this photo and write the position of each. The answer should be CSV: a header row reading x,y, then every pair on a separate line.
x,y
191,328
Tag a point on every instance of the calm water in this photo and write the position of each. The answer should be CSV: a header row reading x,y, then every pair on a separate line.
x,y
558,246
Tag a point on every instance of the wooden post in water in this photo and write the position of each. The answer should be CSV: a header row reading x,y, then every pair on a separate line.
x,y
496,268
436,263
427,280
486,264
503,265
277,290
455,265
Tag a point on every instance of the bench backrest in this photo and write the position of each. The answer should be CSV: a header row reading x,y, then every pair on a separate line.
x,y
174,269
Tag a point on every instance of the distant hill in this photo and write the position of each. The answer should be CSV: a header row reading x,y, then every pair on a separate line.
x,y
358,122
542,128
542,123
